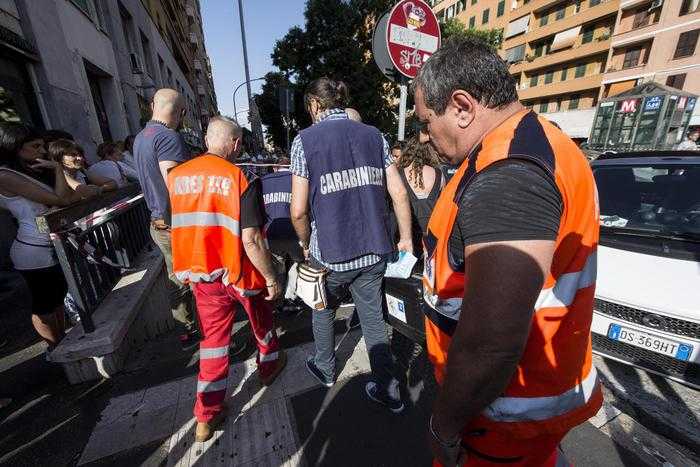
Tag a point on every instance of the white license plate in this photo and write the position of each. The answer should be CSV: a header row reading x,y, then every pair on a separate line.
x,y
675,349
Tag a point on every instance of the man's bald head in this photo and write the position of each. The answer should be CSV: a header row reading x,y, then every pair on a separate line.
x,y
353,114
224,137
168,106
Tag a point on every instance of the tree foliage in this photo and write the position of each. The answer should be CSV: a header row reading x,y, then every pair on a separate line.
x,y
455,28
336,42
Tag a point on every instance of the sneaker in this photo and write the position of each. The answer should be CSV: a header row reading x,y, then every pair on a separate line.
x,y
189,340
316,373
281,363
205,430
372,390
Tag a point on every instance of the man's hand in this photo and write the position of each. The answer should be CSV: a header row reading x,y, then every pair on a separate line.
x,y
39,164
274,291
405,245
446,450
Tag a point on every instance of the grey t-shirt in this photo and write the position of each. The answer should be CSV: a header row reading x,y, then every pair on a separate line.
x,y
154,144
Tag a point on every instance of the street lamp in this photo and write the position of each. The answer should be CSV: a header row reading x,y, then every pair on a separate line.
x,y
239,87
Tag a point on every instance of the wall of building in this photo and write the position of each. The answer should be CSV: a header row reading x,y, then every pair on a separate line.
x,y
70,51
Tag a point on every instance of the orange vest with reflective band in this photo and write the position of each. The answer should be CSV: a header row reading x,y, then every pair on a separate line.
x,y
555,386
205,197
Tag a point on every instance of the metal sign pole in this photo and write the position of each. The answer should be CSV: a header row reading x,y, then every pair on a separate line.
x,y
403,87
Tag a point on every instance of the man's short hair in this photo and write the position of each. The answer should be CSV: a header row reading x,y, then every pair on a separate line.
x,y
468,64
237,129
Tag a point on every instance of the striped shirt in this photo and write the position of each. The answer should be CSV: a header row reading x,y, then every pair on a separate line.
x,y
300,168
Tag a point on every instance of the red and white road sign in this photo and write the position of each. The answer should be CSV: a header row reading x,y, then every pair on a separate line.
x,y
412,35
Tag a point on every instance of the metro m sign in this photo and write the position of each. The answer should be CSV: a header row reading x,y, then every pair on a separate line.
x,y
412,36
629,106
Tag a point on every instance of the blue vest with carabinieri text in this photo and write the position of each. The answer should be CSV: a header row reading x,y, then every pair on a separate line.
x,y
277,195
345,160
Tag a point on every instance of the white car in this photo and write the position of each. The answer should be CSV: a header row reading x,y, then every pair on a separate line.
x,y
647,305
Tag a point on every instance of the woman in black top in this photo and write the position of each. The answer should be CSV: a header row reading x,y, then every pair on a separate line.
x,y
419,168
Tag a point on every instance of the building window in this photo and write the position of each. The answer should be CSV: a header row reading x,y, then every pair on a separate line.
x,y
580,70
689,6
544,107
501,8
587,36
564,72
573,101
641,18
533,81
542,49
561,12
686,44
472,22
548,77
577,6
632,58
474,2
593,3
147,54
461,5
127,28
516,54
450,12
544,19
676,81
485,16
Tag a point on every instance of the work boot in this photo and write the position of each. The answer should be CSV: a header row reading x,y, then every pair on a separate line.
x,y
205,430
281,363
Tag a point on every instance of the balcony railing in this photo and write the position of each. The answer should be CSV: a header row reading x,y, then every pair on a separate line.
x,y
96,241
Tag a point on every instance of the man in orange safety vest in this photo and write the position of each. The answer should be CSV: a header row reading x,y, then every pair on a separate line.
x,y
510,268
218,247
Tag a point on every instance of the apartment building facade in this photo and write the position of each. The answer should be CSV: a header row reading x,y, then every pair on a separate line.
x,y
557,50
655,41
91,67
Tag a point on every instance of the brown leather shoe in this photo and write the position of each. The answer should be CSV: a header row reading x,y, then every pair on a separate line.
x,y
205,430
281,363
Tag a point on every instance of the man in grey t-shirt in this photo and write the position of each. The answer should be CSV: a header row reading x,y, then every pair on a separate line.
x,y
157,149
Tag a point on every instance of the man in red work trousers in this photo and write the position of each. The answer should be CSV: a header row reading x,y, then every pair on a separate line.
x,y
217,213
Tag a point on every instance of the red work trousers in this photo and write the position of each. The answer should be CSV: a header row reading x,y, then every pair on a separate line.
x,y
216,309
492,449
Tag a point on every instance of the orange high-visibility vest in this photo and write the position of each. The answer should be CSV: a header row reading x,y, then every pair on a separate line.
x,y
205,198
555,385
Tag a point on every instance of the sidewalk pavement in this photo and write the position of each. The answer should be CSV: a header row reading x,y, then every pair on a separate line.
x,y
144,417
297,422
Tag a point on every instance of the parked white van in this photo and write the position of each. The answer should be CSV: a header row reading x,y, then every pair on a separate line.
x,y
647,305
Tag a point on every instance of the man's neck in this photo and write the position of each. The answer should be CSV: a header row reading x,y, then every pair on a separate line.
x,y
165,121
496,119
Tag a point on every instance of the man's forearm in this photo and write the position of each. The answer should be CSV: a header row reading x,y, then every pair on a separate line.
x,y
302,227
473,381
402,209
259,255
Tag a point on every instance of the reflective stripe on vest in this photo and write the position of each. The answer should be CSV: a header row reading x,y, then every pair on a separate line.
x,y
521,409
568,284
562,294
205,196
207,219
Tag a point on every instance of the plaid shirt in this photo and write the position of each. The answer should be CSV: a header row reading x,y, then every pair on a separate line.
x,y
299,168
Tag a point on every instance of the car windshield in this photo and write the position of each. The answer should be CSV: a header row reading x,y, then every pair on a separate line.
x,y
650,199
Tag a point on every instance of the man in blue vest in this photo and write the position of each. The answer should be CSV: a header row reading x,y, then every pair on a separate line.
x,y
277,195
341,171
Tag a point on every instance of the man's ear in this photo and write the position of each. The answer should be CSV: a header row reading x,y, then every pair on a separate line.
x,y
464,106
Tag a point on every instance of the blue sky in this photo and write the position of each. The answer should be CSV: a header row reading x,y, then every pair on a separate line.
x,y
266,21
